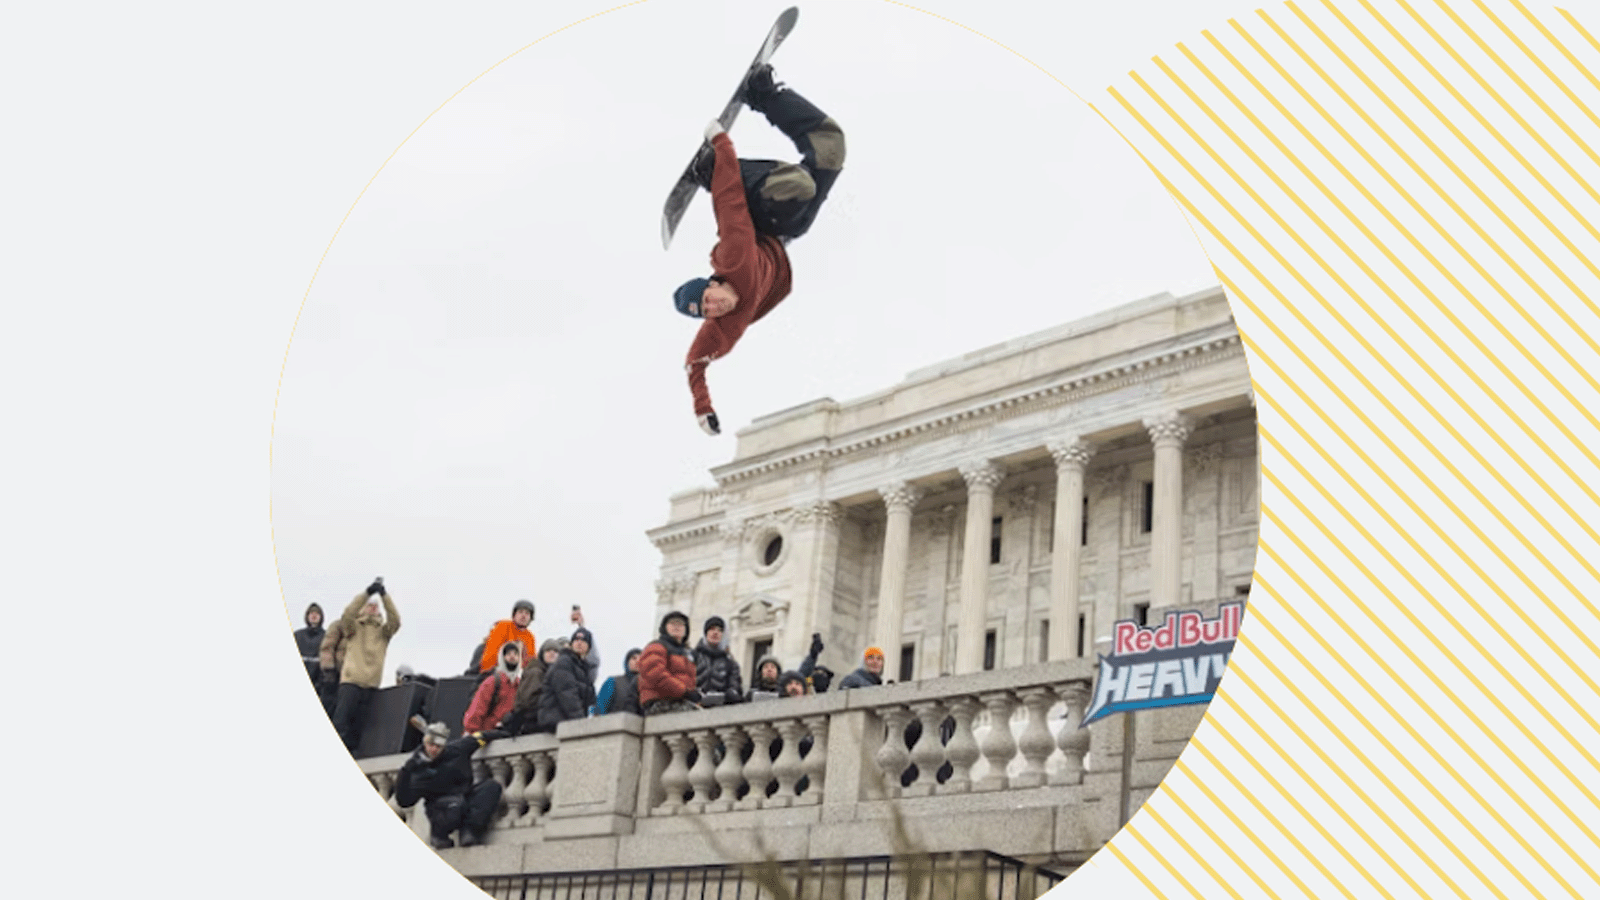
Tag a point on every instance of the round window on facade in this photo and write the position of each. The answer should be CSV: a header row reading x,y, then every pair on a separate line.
x,y
767,552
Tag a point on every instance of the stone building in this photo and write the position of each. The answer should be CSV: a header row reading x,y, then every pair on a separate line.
x,y
926,519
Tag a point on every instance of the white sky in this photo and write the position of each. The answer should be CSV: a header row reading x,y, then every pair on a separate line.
x,y
484,397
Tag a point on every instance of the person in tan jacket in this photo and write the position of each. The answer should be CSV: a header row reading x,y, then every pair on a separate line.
x,y
367,643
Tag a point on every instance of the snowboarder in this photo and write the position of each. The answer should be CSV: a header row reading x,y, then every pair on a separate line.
x,y
760,206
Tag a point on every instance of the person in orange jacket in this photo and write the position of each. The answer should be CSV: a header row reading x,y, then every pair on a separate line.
x,y
512,629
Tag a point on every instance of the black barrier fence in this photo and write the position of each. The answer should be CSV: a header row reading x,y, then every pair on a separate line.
x,y
939,876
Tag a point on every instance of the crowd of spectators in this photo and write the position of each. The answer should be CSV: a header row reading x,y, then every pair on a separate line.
x,y
522,688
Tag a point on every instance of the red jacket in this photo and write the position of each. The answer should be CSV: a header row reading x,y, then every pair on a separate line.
x,y
666,671
756,265
481,715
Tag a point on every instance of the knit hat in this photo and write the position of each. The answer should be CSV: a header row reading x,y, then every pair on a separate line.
x,y
674,615
872,651
716,622
523,604
437,733
688,296
582,634
791,675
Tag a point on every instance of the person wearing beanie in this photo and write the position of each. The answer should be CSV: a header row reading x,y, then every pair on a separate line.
x,y
717,673
667,670
524,717
369,634
512,629
309,640
440,772
792,684
767,680
760,206
568,691
764,684
869,675
496,695
620,693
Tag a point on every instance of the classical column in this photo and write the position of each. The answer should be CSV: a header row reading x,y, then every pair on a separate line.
x,y
982,478
1168,431
898,498
816,558
1071,457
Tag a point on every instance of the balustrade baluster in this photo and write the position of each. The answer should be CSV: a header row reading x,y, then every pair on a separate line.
x,y
703,777
730,772
815,765
514,793
500,769
999,747
928,754
787,766
892,757
1036,743
538,789
962,751
675,778
758,770
1073,740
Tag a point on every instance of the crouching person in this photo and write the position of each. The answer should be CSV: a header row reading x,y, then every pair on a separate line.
x,y
440,772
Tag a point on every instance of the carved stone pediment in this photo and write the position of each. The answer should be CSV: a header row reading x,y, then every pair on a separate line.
x,y
761,612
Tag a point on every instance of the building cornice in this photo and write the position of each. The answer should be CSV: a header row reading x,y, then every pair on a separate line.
x,y
1022,402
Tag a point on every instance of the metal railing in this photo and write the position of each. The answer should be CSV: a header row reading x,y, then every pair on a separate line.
x,y
932,876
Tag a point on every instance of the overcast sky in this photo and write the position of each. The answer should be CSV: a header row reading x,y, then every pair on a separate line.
x,y
484,397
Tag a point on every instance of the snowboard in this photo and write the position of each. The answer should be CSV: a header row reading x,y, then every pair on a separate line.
x,y
684,190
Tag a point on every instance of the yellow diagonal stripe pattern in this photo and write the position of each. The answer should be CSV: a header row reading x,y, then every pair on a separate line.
x,y
1402,199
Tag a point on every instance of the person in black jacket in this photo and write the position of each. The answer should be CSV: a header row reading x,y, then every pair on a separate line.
x,y
620,693
568,689
716,672
440,772
309,640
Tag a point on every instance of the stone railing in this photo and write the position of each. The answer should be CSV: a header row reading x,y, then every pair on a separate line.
x,y
819,775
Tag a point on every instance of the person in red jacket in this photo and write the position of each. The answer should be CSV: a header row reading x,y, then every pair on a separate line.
x,y
760,206
493,700
667,671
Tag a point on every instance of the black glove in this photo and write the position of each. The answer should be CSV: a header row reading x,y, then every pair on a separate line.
x,y
694,696
375,588
495,734
816,644
709,424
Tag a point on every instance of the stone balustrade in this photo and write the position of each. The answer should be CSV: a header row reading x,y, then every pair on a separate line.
x,y
816,777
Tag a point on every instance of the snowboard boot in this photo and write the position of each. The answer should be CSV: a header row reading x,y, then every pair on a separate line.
x,y
759,87
441,843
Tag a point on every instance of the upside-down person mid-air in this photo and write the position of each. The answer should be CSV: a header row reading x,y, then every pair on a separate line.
x,y
760,206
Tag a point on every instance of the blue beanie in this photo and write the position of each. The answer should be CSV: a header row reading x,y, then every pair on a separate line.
x,y
687,297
